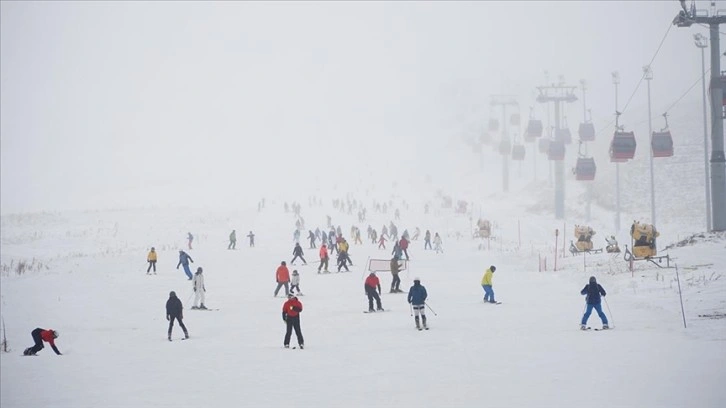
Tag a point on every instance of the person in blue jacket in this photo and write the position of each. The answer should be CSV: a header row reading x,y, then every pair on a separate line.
x,y
593,292
184,260
417,298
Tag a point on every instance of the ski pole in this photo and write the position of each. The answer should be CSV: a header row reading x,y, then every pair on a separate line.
x,y
432,310
609,312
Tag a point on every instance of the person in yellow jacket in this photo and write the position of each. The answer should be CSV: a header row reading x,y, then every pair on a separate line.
x,y
151,259
486,283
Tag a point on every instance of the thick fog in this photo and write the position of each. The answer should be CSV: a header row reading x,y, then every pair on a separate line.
x,y
148,103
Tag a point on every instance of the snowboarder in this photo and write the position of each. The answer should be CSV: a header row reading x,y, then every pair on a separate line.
x,y
486,283
295,282
151,259
417,298
298,253
427,240
282,277
251,236
184,260
232,240
372,284
593,292
395,269
174,310
39,336
291,316
199,289
323,258
190,238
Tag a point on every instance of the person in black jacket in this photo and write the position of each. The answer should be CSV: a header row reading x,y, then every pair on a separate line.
x,y
298,253
174,311
593,292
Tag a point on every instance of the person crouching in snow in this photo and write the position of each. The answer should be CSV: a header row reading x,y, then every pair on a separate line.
x,y
199,289
39,336
295,282
417,298
291,316
593,292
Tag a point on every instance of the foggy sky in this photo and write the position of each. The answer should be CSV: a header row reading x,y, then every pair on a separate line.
x,y
107,104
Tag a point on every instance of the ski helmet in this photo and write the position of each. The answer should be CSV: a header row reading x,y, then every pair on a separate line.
x,y
199,270
493,268
294,272
592,279
55,334
417,279
172,294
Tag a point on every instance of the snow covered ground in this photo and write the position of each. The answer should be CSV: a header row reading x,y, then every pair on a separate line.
x,y
88,281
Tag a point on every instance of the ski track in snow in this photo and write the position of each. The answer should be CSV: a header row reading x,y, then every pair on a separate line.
x,y
526,352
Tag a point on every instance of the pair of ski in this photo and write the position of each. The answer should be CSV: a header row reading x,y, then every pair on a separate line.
x,y
207,309
596,329
183,338
422,328
376,311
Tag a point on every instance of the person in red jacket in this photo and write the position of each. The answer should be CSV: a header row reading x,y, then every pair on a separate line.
x,y
282,277
40,336
323,258
291,316
372,283
404,246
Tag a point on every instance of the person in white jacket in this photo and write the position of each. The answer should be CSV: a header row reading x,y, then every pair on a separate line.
x,y
295,282
437,243
199,289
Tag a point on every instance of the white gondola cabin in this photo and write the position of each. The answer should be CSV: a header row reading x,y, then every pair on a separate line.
x,y
556,150
586,132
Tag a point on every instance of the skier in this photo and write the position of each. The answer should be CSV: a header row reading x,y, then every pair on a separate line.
x,y
397,214
295,282
427,240
251,236
342,261
437,243
199,289
174,311
291,316
311,237
403,244
382,242
190,238
232,240
397,251
417,298
486,283
416,233
593,292
298,253
39,336
358,240
323,258
344,247
151,259
282,277
395,269
371,284
184,260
